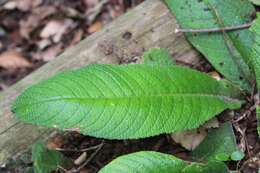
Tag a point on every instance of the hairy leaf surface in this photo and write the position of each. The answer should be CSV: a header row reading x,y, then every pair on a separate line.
x,y
127,101
155,162
228,52
255,53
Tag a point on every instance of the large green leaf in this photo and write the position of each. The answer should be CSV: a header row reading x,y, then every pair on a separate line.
x,y
154,162
127,101
255,53
255,58
227,52
219,142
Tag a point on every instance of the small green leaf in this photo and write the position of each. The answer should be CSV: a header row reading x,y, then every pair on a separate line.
x,y
258,119
218,145
127,101
227,52
222,157
45,160
237,155
155,162
157,56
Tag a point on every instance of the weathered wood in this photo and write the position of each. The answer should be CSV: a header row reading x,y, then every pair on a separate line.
x,y
148,25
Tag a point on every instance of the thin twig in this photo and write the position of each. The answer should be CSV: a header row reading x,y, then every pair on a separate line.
x,y
91,157
226,29
61,168
81,150
255,155
248,112
243,138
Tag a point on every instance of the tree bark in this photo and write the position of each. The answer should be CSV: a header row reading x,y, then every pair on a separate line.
x,y
148,25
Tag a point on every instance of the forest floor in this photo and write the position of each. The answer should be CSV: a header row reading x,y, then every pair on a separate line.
x,y
33,33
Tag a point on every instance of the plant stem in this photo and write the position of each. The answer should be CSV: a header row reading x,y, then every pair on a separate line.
x,y
228,28
90,158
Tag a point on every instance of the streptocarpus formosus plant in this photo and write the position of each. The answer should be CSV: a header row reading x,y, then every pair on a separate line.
x,y
143,100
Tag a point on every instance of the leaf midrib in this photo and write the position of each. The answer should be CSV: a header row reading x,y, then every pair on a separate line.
x,y
96,99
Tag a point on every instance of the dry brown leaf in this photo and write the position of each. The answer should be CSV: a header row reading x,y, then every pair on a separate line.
x,y
42,44
215,75
23,5
56,142
44,11
189,139
28,25
26,5
115,11
51,28
95,27
90,3
56,29
49,54
10,5
212,123
34,20
77,37
72,12
192,138
13,60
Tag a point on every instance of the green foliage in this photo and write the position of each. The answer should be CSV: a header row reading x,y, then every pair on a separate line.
x,y
210,167
255,53
29,170
157,56
45,160
222,157
145,162
255,58
237,155
256,2
218,145
258,118
154,162
227,52
127,101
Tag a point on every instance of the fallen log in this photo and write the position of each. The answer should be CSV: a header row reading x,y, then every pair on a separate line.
x,y
148,25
